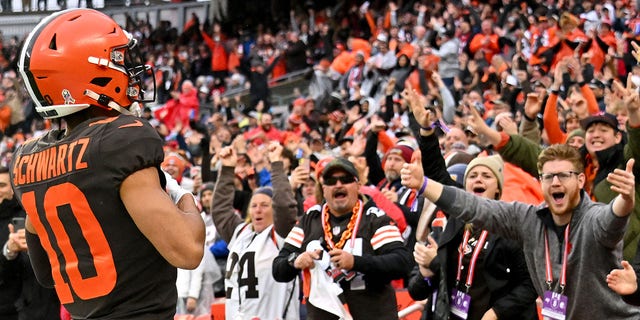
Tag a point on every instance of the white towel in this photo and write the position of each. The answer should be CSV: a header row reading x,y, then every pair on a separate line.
x,y
323,291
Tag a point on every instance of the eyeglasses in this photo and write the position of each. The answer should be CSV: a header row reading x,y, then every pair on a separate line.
x,y
562,176
331,181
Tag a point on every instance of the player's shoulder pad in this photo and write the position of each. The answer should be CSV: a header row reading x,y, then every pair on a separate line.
x,y
130,143
125,130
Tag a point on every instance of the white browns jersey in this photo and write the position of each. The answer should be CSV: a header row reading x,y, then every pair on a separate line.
x,y
251,289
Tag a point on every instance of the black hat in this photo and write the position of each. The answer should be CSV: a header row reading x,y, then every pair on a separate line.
x,y
345,139
339,164
403,132
602,117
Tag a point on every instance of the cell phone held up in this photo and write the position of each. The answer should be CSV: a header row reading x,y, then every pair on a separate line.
x,y
18,223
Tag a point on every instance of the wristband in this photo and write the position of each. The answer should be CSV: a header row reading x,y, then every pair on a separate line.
x,y
424,186
527,117
437,124
429,128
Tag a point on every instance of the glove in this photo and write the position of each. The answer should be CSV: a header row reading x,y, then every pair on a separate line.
x,y
174,190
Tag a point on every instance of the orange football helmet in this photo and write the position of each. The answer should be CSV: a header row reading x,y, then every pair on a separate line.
x,y
79,58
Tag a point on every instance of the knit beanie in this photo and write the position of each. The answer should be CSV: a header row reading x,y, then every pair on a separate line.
x,y
206,186
264,190
575,133
494,163
402,149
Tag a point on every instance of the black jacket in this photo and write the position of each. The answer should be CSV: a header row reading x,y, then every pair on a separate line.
x,y
10,271
505,271
21,296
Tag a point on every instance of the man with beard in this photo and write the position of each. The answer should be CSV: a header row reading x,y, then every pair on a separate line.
x,y
265,131
350,248
21,297
385,175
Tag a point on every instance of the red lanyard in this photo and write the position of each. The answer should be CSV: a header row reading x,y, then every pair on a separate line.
x,y
474,257
547,260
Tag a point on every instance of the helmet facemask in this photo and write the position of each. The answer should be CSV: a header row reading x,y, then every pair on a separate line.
x,y
132,61
128,59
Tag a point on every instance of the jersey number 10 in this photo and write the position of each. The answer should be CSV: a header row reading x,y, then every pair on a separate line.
x,y
67,194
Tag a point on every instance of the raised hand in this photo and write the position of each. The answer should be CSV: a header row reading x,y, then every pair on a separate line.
x,y
214,144
360,163
353,114
506,123
636,51
391,86
561,67
412,174
425,117
357,147
630,98
228,157
623,281
476,122
532,105
274,151
239,143
360,125
299,176
623,182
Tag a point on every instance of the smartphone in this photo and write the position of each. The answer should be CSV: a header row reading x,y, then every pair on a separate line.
x,y
18,223
479,107
304,162
194,171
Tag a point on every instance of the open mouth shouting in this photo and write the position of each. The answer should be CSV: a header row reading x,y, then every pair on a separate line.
x,y
479,190
340,194
558,197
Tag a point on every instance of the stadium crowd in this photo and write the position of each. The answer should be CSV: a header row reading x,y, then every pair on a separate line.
x,y
504,79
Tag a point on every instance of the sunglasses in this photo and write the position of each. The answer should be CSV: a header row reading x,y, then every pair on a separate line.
x,y
332,181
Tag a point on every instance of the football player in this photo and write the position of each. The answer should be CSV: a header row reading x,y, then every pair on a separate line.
x,y
100,226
